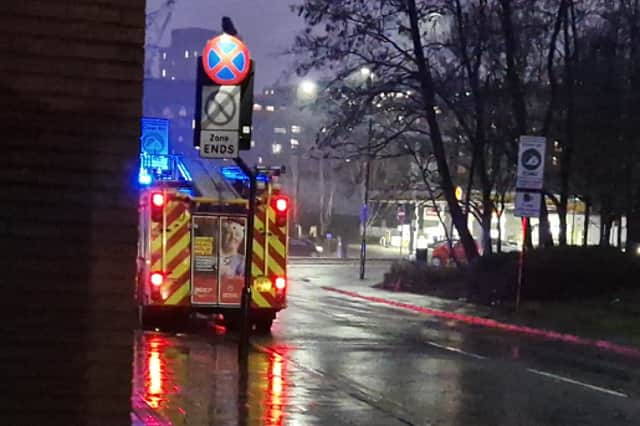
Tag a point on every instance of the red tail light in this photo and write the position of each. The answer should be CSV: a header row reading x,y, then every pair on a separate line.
x,y
156,279
157,199
281,205
280,283
157,206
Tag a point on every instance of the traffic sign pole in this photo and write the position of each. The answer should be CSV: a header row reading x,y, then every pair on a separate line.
x,y
521,262
224,101
529,197
246,293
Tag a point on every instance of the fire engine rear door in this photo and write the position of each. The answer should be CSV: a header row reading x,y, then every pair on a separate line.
x,y
219,245
204,269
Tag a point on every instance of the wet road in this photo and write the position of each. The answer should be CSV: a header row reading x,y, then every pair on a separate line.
x,y
334,360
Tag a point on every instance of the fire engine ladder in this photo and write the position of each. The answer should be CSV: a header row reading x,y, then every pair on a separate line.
x,y
208,182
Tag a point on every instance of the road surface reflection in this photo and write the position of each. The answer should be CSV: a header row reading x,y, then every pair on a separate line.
x,y
191,380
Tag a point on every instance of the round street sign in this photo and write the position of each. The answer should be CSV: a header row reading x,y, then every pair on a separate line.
x,y
531,159
226,60
220,108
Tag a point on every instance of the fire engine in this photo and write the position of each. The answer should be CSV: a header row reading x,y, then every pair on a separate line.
x,y
192,241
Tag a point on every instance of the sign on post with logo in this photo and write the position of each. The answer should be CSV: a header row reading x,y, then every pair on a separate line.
x,y
531,162
154,142
530,176
224,98
528,204
155,136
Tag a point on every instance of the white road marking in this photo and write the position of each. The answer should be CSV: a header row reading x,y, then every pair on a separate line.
x,y
576,382
456,350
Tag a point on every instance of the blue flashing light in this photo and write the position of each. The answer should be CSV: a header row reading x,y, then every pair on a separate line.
x,y
235,173
144,178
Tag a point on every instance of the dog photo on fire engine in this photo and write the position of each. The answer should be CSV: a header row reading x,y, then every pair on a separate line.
x,y
232,248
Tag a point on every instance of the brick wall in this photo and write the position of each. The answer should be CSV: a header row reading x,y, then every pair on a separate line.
x,y
70,103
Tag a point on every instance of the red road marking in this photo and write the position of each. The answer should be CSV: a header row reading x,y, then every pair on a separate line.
x,y
470,319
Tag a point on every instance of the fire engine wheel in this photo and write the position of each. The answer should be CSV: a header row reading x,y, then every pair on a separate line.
x,y
150,319
263,326
147,319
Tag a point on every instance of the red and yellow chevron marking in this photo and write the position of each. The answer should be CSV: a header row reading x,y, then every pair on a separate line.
x,y
170,253
277,247
269,257
259,240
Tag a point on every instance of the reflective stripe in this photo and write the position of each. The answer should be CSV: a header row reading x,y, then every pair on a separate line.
x,y
178,295
259,300
177,253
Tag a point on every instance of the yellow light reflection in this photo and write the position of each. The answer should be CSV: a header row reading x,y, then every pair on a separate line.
x,y
276,391
154,389
155,374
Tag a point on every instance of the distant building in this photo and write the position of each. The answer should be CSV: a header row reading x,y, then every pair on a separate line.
x,y
178,61
281,129
174,100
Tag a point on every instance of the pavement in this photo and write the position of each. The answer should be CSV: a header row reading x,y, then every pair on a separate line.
x,y
347,354
374,252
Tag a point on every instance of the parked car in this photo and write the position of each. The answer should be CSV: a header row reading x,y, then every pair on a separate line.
x,y
442,254
506,245
303,248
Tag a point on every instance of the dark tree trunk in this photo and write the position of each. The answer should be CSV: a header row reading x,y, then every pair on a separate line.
x,y
499,242
562,216
567,152
606,222
587,218
437,142
633,222
513,76
619,233
486,228
544,232
608,228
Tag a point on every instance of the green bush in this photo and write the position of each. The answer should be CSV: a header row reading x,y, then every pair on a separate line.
x,y
567,273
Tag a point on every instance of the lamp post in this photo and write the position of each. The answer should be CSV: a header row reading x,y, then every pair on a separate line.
x,y
364,215
306,94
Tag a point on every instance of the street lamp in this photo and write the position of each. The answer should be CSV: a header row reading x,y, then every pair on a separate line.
x,y
364,215
307,90
306,94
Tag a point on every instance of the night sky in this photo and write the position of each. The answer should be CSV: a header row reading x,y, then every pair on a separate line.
x,y
267,26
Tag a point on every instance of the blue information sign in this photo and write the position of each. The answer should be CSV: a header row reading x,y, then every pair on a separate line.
x,y
154,142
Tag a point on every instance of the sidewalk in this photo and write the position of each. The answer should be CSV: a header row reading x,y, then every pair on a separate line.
x,y
487,317
375,251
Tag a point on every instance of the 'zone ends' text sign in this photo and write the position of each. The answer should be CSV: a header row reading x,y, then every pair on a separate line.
x,y
218,144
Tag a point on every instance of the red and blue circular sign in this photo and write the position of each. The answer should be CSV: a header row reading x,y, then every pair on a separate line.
x,y
226,60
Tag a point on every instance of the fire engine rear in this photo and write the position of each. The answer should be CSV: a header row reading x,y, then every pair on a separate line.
x,y
193,242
